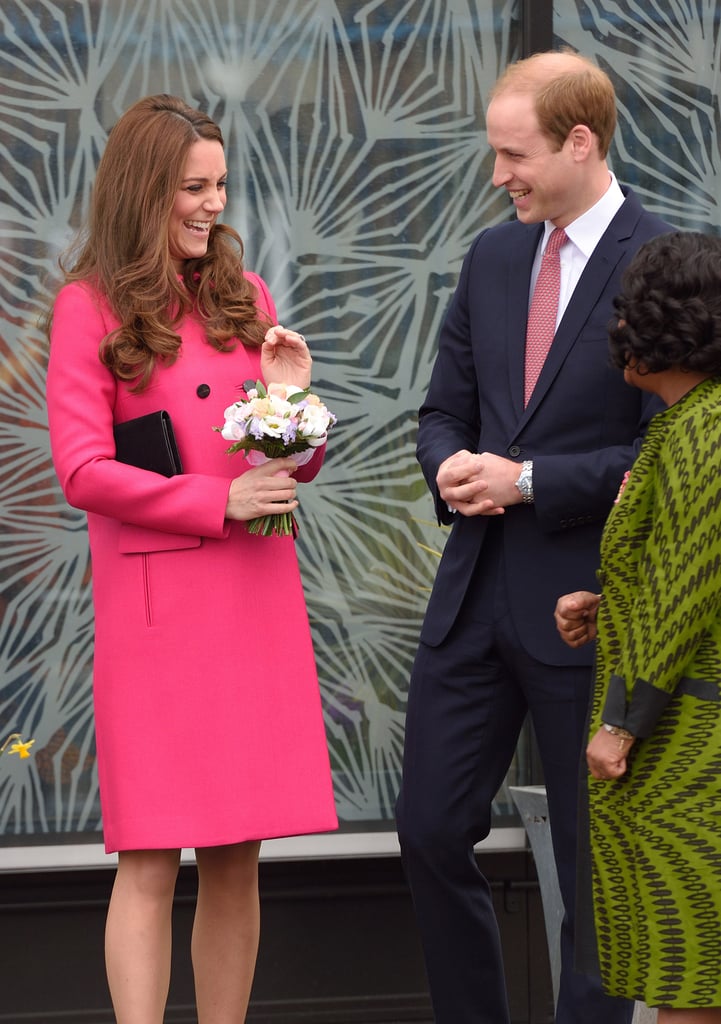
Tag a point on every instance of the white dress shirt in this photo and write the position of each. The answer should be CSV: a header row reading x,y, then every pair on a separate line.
x,y
584,234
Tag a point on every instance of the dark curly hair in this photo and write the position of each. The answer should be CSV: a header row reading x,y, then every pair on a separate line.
x,y
669,310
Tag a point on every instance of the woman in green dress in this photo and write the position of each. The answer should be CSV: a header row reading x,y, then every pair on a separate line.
x,y
654,751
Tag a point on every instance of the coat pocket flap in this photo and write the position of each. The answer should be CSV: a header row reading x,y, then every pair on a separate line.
x,y
134,539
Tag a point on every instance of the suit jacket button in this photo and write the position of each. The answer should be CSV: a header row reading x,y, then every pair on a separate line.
x,y
514,451
202,390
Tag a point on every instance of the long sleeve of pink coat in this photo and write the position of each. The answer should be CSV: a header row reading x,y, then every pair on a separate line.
x,y
85,400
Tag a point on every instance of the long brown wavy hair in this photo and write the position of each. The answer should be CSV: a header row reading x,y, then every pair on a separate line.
x,y
123,251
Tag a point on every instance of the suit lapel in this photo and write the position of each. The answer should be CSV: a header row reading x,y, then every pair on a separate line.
x,y
612,248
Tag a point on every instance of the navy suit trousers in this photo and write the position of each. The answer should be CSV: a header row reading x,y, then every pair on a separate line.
x,y
467,703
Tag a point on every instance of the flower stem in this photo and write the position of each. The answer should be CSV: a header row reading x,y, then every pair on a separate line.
x,y
11,737
279,523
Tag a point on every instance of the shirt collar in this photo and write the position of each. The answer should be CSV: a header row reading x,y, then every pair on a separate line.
x,y
587,230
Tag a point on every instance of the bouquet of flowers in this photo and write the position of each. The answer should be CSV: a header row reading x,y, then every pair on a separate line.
x,y
271,423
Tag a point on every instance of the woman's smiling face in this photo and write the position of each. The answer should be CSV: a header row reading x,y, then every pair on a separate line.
x,y
198,201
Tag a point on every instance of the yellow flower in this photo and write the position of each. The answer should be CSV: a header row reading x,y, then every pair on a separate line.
x,y
23,749
18,747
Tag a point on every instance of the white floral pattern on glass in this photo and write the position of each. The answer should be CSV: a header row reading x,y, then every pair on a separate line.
x,y
359,175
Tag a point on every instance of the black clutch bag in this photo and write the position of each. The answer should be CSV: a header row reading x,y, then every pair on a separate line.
x,y
148,442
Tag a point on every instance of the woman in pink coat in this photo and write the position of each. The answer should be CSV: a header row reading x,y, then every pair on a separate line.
x,y
208,719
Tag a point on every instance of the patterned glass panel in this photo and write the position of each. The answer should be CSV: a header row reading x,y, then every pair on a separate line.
x,y
358,177
664,57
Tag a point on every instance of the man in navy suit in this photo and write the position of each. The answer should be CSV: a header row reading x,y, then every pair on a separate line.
x,y
527,484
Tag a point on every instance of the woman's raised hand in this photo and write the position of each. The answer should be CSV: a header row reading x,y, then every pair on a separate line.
x,y
285,358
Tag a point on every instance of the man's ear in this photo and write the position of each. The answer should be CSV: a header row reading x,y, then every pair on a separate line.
x,y
582,142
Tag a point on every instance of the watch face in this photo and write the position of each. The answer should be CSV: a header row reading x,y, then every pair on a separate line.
x,y
525,484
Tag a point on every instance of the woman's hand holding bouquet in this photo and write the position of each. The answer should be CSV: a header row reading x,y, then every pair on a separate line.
x,y
281,422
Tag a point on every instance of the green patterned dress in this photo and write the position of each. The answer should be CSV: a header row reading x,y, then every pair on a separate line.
x,y
655,834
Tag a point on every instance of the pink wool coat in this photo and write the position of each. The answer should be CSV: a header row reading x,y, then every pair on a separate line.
x,y
207,708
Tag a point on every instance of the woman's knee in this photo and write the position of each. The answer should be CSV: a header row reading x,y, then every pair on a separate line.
x,y
233,864
151,873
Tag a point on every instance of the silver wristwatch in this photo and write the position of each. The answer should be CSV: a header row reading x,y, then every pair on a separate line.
x,y
525,482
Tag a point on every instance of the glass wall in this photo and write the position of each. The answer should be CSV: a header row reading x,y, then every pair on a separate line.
x,y
359,174
358,178
664,57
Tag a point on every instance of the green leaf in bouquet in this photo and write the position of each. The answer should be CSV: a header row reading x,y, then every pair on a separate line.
x,y
249,385
297,397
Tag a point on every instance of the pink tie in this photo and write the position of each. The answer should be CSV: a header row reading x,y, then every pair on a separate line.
x,y
544,310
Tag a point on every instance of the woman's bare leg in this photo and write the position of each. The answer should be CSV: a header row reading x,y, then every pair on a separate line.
x,y
138,934
226,931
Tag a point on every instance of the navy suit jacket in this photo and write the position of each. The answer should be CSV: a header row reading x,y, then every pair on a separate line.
x,y
582,427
